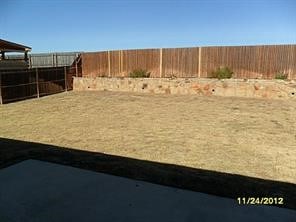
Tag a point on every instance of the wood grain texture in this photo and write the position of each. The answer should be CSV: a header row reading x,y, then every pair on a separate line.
x,y
147,59
250,62
95,64
180,62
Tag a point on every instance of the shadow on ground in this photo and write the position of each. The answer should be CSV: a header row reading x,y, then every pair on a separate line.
x,y
206,181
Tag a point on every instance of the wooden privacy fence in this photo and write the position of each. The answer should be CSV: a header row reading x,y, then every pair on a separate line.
x,y
34,83
38,60
262,62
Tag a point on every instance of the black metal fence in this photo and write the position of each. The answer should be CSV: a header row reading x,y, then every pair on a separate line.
x,y
33,83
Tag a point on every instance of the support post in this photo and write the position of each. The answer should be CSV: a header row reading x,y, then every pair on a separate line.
x,y
160,62
56,60
65,72
30,61
199,61
76,65
109,65
37,82
1,101
76,68
121,62
26,57
2,55
53,60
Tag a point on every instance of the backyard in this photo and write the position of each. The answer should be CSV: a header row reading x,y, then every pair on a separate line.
x,y
251,137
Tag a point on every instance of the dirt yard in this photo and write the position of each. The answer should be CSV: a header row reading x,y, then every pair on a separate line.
x,y
252,137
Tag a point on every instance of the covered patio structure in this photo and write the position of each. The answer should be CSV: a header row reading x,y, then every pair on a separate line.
x,y
15,63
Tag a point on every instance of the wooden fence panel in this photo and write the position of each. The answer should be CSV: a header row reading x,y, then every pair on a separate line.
x,y
180,62
147,59
115,63
95,64
246,61
250,61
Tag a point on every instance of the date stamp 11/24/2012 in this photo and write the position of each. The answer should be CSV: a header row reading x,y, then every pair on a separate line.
x,y
260,200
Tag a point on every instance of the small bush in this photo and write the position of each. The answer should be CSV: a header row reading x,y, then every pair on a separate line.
x,y
172,76
222,73
139,73
281,75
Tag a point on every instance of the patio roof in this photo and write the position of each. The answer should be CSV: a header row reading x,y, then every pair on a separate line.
x,y
6,46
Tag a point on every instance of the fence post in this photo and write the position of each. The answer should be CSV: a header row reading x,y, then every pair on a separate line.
x,y
109,67
65,72
56,60
76,65
160,62
121,62
37,82
1,101
53,63
199,61
76,69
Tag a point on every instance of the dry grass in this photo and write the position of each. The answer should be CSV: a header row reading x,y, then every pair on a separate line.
x,y
251,137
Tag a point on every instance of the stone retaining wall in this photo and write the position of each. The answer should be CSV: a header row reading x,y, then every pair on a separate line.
x,y
229,87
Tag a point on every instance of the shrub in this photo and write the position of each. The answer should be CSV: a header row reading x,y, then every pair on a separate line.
x,y
281,75
222,73
172,76
139,73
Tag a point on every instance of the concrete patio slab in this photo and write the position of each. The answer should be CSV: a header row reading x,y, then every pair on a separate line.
x,y
40,191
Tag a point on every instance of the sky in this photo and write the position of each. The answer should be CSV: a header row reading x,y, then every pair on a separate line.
x,y
67,26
